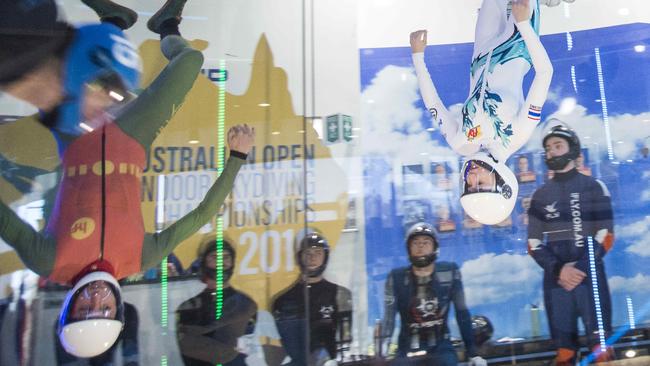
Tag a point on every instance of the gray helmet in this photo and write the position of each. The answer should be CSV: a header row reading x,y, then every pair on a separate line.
x,y
425,229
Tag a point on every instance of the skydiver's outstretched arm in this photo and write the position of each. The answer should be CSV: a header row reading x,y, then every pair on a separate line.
x,y
35,249
440,115
159,245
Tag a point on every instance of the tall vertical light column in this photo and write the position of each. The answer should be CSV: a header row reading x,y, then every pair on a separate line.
x,y
603,103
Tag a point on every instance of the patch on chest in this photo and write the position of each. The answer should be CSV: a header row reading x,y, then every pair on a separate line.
x,y
326,311
473,133
551,211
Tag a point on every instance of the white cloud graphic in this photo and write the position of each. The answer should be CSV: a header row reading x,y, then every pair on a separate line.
x,y
638,283
492,279
636,232
393,121
640,247
645,195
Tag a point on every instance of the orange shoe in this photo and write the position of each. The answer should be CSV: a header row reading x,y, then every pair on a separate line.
x,y
565,357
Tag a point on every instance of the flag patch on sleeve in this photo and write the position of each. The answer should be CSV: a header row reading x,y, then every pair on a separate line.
x,y
535,112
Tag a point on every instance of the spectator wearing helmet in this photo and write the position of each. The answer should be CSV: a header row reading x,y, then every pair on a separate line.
x,y
569,214
422,295
497,119
202,339
96,231
313,302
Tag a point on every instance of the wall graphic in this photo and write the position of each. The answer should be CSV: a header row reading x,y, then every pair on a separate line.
x,y
415,177
284,184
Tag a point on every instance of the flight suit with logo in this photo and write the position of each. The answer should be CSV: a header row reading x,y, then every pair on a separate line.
x,y
567,214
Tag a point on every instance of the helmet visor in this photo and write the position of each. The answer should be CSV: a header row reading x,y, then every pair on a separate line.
x,y
479,176
105,94
96,300
113,85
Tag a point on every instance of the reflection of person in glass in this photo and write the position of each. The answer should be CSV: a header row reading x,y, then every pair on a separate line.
x,y
414,211
96,230
127,341
422,295
496,118
202,339
525,206
445,223
568,215
524,174
470,223
329,305
442,181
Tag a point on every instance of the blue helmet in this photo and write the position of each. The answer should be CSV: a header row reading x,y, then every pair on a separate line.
x,y
99,54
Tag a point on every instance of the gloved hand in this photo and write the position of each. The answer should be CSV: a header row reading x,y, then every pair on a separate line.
x,y
477,361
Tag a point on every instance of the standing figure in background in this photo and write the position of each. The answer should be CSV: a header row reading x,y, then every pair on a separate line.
x,y
202,339
422,295
496,118
314,302
569,217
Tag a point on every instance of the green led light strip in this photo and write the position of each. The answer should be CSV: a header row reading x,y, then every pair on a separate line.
x,y
221,122
163,304
163,295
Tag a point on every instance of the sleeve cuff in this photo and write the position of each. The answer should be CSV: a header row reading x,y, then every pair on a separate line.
x,y
418,56
525,28
238,154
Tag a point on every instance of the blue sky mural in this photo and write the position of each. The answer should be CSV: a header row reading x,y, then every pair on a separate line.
x,y
415,176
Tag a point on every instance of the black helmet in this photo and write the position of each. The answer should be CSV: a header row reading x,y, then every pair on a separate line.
x,y
562,131
208,246
425,229
29,33
481,329
312,240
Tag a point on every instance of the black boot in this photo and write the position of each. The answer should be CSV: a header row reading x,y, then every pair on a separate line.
x,y
110,12
167,18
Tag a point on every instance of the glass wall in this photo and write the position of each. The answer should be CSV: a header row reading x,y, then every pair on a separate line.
x,y
299,253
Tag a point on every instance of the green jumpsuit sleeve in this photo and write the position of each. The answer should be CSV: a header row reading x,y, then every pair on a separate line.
x,y
158,246
149,113
36,250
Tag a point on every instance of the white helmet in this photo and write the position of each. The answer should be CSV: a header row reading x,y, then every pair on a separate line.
x,y
91,319
490,200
